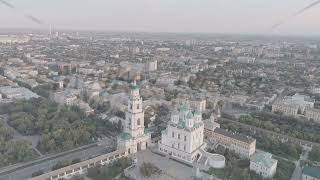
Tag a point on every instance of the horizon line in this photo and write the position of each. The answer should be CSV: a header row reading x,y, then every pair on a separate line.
x,y
164,32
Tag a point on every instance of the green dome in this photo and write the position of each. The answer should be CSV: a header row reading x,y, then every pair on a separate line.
x,y
197,113
184,108
135,87
189,116
125,136
182,124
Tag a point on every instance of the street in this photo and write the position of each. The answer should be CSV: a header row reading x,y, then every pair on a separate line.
x,y
298,170
26,172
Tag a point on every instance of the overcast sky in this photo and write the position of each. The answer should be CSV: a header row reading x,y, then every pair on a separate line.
x,y
213,16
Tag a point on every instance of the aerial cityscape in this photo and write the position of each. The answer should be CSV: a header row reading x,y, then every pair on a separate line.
x,y
139,105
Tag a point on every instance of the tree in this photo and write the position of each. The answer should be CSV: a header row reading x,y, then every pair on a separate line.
x,y
37,173
110,171
314,154
60,164
120,114
76,160
149,169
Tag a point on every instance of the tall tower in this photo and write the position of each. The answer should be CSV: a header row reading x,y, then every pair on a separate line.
x,y
50,31
134,137
134,123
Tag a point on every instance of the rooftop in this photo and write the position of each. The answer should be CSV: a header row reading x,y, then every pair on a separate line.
x,y
263,158
125,136
312,171
232,135
18,92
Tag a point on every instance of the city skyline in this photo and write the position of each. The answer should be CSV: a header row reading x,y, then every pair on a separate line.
x,y
159,89
216,16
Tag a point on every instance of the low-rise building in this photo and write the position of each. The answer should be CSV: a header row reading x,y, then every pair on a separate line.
x,y
310,173
313,114
64,97
263,164
242,145
293,105
199,104
85,107
9,92
151,65
315,90
287,109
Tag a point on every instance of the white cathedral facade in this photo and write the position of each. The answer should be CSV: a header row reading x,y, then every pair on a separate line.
x,y
134,137
183,138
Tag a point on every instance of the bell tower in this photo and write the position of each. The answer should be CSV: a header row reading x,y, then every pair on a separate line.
x,y
134,137
135,114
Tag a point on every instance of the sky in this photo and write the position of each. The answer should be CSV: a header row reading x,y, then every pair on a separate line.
x,y
208,16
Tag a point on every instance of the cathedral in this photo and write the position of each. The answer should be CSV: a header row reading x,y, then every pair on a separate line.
x,y
183,138
134,137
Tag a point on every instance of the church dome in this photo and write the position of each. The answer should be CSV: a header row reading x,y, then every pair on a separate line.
x,y
189,116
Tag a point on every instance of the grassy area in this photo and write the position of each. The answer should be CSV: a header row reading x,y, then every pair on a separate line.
x,y
235,168
239,169
314,155
284,170
287,125
267,143
110,171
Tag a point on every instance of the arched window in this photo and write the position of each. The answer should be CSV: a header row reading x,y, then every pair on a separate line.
x,y
138,106
138,122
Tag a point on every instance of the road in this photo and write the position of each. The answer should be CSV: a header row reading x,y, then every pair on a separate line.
x,y
25,172
298,170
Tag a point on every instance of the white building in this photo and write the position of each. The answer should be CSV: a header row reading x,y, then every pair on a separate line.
x,y
6,39
199,104
183,138
293,105
312,113
94,90
65,97
245,59
134,138
263,164
10,74
151,66
242,145
315,90
8,92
